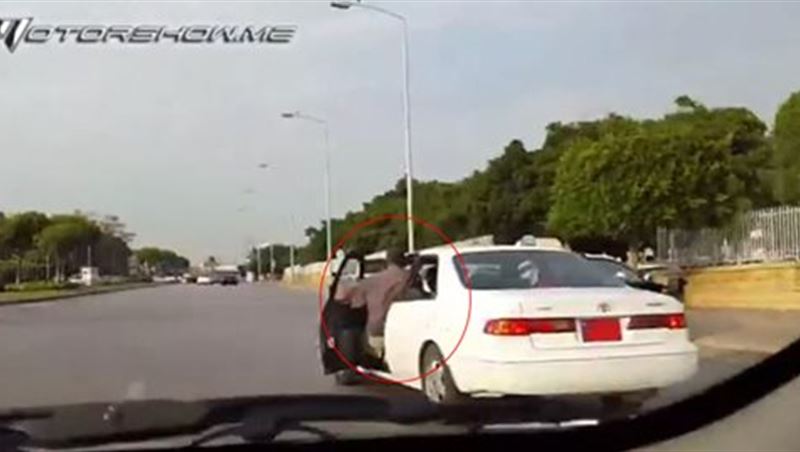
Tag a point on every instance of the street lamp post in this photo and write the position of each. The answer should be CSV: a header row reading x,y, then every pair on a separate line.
x,y
406,107
327,173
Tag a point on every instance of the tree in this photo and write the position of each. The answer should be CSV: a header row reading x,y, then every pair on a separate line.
x,y
67,239
111,252
110,255
625,186
161,261
743,135
280,253
787,150
515,194
17,235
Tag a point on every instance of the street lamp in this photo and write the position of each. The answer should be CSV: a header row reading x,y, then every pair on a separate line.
x,y
327,174
345,5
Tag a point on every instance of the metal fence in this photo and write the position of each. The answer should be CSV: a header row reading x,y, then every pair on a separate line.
x,y
767,235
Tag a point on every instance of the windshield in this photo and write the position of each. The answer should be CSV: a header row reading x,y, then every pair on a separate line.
x,y
180,181
531,269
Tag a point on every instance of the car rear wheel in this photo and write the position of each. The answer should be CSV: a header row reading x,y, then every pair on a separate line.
x,y
437,381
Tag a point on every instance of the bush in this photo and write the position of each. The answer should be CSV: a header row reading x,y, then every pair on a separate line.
x,y
35,286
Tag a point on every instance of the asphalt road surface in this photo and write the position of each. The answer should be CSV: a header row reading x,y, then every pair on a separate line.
x,y
189,342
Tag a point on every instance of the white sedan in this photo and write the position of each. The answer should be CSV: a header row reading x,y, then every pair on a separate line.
x,y
542,322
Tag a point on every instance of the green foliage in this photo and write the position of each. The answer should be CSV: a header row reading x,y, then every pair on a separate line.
x,y
37,286
787,150
67,233
18,232
34,246
161,261
690,169
602,184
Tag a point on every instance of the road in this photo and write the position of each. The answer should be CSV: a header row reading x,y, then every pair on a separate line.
x,y
188,342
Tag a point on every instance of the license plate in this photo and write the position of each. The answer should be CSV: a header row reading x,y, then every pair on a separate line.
x,y
601,330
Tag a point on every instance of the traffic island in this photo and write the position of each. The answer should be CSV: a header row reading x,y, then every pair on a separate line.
x,y
750,286
764,331
16,298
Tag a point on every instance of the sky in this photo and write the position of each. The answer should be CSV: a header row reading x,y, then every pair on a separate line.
x,y
170,137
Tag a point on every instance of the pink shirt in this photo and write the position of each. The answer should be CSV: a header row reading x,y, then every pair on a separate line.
x,y
376,293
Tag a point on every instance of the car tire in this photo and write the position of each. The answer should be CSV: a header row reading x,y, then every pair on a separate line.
x,y
438,386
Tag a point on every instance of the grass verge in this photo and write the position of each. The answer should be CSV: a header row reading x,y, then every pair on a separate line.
x,y
50,295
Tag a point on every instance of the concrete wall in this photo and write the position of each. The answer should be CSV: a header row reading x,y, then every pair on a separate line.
x,y
304,276
758,286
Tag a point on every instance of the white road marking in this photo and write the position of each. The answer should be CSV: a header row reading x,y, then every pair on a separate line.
x,y
135,391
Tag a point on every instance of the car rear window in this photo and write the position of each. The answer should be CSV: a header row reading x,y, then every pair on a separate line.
x,y
525,269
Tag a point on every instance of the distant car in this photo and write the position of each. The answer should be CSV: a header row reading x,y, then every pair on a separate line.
x,y
666,274
613,267
205,280
538,322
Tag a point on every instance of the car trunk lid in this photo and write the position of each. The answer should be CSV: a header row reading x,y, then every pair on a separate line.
x,y
602,315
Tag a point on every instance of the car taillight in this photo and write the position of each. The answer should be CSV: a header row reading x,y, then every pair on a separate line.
x,y
669,321
524,327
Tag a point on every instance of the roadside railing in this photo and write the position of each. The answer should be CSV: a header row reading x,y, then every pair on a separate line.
x,y
766,235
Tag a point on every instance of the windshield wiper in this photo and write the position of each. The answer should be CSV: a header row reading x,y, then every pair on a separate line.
x,y
12,438
255,421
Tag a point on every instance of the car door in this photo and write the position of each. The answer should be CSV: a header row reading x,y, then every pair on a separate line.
x,y
338,316
410,322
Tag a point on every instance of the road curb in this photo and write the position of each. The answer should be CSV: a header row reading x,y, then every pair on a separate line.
x,y
51,298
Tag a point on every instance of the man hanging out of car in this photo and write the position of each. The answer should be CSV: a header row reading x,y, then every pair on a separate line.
x,y
376,294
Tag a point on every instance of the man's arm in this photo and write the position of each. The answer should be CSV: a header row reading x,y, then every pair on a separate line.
x,y
345,292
